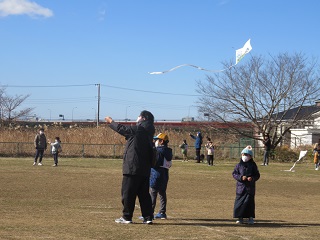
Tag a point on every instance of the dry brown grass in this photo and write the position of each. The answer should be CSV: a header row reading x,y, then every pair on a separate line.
x,y
81,198
99,142
102,135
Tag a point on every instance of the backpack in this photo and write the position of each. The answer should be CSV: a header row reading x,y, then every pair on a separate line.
x,y
59,149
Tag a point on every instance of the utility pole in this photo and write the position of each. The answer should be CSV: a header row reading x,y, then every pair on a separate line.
x,y
98,111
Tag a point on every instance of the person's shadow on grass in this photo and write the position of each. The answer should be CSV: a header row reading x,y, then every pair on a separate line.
x,y
227,222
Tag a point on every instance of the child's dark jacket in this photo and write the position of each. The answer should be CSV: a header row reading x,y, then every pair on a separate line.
x,y
159,176
248,169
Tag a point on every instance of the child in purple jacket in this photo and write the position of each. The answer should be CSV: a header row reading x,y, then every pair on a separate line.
x,y
246,173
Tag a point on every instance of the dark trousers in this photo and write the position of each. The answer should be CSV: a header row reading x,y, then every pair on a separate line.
x,y
163,199
266,157
39,154
133,186
198,154
210,160
55,158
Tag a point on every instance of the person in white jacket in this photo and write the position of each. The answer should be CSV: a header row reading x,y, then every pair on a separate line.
x,y
55,149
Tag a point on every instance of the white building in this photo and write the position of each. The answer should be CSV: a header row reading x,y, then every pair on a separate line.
x,y
307,132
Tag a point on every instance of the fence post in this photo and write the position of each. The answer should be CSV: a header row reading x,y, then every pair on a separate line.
x,y
83,150
18,149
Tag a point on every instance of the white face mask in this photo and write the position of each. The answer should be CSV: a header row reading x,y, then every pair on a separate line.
x,y
139,119
245,158
41,132
157,143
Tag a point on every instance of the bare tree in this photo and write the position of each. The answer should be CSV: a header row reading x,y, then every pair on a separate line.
x,y
10,107
2,91
263,92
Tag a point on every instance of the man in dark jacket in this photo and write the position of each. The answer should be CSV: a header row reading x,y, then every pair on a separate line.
x,y
40,143
267,149
136,166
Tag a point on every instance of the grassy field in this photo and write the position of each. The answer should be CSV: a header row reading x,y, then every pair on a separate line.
x,y
81,198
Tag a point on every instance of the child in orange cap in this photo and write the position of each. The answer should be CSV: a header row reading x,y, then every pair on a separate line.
x,y
160,174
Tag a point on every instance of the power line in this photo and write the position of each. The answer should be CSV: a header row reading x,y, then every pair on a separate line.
x,y
105,85
137,90
43,86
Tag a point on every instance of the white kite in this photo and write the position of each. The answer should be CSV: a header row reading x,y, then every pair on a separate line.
x,y
240,53
302,155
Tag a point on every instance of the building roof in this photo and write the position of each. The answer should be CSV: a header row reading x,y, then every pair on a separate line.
x,y
305,112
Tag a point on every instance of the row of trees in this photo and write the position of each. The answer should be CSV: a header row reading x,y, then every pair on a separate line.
x,y
10,106
264,92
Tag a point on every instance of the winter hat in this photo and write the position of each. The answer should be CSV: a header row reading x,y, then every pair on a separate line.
x,y
147,115
162,136
247,150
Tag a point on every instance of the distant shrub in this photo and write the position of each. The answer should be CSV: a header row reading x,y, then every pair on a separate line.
x,y
285,154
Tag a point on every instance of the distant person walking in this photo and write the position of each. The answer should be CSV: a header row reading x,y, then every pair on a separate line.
x,y
267,149
197,145
246,174
136,167
55,150
40,143
184,150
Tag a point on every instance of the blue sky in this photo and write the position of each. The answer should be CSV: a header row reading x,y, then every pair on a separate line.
x,y
57,50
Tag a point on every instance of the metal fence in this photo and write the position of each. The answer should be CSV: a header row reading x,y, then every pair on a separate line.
x,y
26,149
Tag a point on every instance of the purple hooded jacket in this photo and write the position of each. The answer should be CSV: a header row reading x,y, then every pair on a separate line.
x,y
248,169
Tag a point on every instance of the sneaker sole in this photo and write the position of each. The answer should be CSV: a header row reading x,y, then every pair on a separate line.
x,y
148,222
123,222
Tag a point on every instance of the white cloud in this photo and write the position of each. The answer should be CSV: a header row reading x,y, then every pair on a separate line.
x,y
21,7
223,2
102,14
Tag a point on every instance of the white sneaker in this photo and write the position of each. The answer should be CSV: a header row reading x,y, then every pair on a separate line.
x,y
239,221
39,164
122,220
147,222
34,164
317,169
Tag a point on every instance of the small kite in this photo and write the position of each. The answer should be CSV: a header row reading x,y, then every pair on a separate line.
x,y
240,53
302,155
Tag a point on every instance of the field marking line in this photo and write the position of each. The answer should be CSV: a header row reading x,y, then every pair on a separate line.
x,y
224,233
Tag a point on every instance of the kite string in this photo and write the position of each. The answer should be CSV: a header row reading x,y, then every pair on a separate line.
x,y
191,65
240,53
